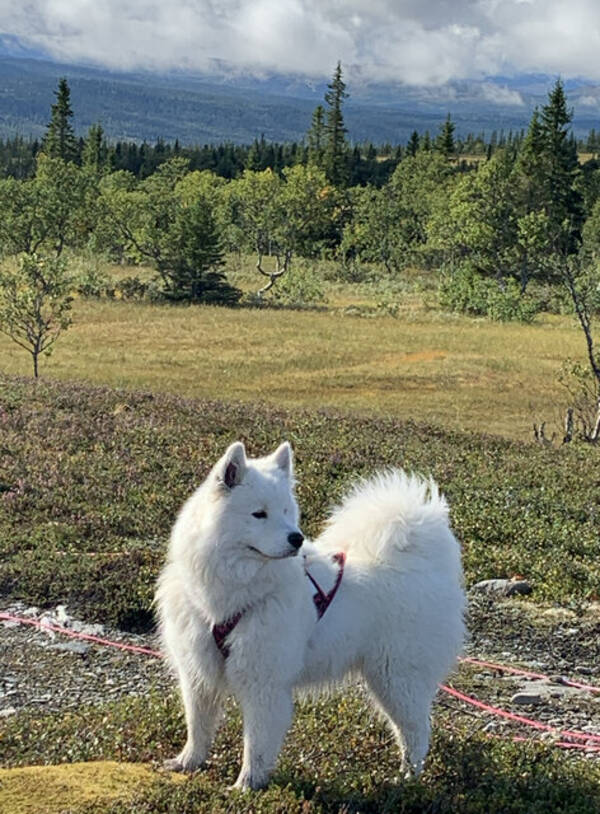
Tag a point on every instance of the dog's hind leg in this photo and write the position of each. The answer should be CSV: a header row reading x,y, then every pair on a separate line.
x,y
267,717
407,708
202,712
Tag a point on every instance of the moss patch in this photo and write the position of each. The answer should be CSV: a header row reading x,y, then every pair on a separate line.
x,y
50,789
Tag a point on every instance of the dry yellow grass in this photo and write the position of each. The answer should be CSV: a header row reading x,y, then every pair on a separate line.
x,y
454,371
56,789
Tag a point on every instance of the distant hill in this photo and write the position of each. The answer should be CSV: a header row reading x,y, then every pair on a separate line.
x,y
210,109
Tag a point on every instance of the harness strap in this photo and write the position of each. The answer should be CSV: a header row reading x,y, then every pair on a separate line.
x,y
221,631
322,601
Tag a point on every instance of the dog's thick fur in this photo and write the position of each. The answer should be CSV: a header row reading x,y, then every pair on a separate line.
x,y
396,620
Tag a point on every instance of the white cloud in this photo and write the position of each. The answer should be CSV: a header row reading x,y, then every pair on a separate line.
x,y
589,101
501,95
414,41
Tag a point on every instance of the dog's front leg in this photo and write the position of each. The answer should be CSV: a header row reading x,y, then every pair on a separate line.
x,y
202,713
267,717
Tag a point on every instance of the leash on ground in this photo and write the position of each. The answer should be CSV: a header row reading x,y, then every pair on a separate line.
x,y
562,738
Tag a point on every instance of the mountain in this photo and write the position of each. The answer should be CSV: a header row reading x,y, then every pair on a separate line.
x,y
232,107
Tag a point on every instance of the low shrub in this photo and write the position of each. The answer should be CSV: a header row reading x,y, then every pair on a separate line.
x,y
464,290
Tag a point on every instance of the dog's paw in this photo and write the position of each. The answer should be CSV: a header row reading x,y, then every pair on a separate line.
x,y
246,782
173,764
182,763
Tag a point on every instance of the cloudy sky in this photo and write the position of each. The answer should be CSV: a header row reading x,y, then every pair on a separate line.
x,y
423,42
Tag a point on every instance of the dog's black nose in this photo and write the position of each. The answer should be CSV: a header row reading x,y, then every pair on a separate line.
x,y
296,539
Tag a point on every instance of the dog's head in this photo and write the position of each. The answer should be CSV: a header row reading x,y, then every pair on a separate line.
x,y
258,511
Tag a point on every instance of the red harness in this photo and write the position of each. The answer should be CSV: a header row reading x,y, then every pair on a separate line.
x,y
322,601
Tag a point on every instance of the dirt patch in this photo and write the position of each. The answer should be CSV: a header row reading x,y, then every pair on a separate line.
x,y
50,789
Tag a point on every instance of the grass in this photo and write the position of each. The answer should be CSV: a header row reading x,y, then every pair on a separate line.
x,y
337,758
458,372
91,480
33,789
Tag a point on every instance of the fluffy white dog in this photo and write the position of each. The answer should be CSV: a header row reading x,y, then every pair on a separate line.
x,y
248,608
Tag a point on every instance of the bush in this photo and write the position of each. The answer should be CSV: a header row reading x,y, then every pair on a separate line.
x,y
132,288
465,291
94,282
353,271
300,286
584,397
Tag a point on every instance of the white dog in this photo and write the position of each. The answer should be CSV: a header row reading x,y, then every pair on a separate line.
x,y
247,609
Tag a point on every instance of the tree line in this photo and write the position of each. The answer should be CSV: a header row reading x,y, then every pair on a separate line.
x,y
365,163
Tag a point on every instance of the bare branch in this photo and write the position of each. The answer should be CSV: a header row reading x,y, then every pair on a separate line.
x,y
280,270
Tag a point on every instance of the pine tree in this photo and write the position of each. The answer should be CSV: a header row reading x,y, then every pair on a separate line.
x,y
412,147
564,201
254,157
444,143
316,137
60,141
336,147
95,150
548,169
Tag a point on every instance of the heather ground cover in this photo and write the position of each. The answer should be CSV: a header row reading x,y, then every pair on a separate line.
x,y
90,480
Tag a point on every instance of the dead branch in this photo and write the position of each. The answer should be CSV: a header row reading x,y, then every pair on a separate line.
x,y
568,436
539,433
280,270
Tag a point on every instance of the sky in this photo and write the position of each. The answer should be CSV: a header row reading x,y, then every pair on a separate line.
x,y
416,42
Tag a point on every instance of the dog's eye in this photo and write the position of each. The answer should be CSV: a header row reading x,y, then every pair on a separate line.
x,y
261,515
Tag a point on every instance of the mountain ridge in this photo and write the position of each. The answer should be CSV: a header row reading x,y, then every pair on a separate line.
x,y
198,109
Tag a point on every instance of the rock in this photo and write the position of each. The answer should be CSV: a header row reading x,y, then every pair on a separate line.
x,y
526,698
7,712
79,648
62,616
502,587
88,629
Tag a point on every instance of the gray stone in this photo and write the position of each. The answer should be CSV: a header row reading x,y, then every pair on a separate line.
x,y
79,648
502,587
526,698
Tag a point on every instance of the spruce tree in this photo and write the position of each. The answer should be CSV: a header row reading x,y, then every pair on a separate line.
x,y
531,165
316,137
444,143
336,147
547,172
95,150
254,157
564,203
60,141
412,148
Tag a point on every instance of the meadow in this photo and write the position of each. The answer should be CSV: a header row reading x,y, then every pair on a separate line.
x,y
379,348
132,409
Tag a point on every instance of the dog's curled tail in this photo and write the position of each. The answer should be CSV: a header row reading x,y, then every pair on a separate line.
x,y
387,516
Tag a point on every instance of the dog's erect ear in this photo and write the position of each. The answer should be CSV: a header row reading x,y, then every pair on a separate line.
x,y
284,458
232,465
